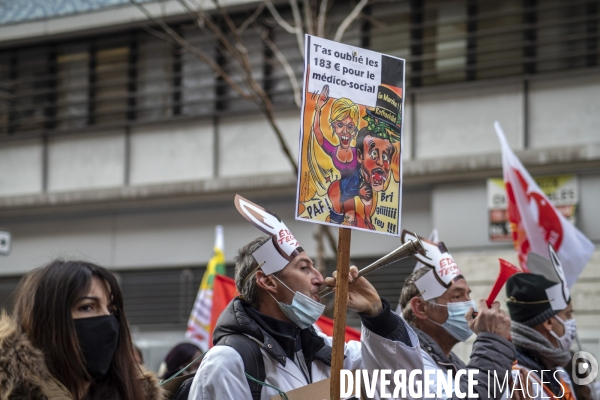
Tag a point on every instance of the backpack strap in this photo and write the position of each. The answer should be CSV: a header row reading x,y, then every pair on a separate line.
x,y
254,365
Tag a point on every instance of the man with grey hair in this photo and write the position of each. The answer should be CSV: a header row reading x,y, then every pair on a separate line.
x,y
446,318
275,313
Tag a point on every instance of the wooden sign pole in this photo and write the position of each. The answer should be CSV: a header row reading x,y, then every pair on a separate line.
x,y
339,311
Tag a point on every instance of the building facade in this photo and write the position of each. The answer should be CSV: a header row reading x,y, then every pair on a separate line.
x,y
120,147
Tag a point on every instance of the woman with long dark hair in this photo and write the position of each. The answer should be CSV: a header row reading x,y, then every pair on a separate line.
x,y
68,339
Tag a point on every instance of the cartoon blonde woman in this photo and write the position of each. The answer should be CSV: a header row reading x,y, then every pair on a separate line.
x,y
343,118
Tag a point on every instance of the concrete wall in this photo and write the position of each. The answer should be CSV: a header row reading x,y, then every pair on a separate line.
x,y
248,145
86,162
167,153
563,113
173,237
460,122
21,167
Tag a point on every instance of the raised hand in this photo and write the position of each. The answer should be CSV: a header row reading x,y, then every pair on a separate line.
x,y
323,98
493,320
362,296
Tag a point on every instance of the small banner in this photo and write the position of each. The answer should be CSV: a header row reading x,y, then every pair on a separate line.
x,y
350,158
561,190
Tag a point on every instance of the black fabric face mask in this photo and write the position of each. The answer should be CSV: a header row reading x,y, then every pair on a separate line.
x,y
98,339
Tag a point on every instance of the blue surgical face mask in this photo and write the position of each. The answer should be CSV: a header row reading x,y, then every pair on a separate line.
x,y
456,324
303,311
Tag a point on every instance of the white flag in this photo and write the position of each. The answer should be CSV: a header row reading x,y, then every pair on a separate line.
x,y
535,222
199,330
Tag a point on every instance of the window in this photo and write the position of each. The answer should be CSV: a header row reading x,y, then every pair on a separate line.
x,y
154,80
134,76
110,82
567,35
499,39
6,91
73,76
32,81
197,79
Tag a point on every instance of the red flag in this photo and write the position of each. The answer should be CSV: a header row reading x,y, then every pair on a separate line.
x,y
224,291
325,325
535,222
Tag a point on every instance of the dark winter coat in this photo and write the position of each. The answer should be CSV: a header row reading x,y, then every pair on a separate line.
x,y
491,354
24,375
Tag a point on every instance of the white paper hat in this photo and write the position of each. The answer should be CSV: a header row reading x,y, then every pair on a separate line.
x,y
559,294
276,253
433,237
443,269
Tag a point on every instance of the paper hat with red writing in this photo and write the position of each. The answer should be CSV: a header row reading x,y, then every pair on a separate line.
x,y
559,294
433,237
276,253
443,269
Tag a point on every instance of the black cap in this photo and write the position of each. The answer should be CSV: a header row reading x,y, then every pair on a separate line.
x,y
527,301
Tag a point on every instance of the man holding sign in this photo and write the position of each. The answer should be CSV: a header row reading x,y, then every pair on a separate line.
x,y
270,323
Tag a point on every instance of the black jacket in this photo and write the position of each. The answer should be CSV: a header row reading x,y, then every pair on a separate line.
x,y
281,342
239,317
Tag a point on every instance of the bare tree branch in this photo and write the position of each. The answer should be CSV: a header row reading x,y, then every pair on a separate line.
x,y
252,18
286,67
160,35
321,18
199,54
232,47
280,21
308,17
349,19
299,26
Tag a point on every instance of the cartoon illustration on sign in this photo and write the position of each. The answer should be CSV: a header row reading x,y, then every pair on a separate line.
x,y
350,155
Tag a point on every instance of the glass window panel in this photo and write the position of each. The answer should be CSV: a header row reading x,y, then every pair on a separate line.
x,y
499,41
31,89
255,50
6,94
111,87
72,69
561,35
390,29
444,42
197,78
155,78
280,85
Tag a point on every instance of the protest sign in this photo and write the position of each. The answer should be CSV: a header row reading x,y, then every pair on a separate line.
x,y
350,159
561,190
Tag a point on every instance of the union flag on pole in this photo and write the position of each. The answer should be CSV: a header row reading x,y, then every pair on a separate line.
x,y
199,325
535,222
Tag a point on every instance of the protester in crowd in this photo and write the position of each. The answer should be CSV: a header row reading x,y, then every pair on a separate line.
x,y
447,311
542,331
440,310
274,313
69,339
179,357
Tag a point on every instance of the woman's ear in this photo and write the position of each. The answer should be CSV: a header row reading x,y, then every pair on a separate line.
x,y
265,282
419,308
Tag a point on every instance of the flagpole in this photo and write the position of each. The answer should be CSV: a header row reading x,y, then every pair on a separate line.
x,y
339,311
